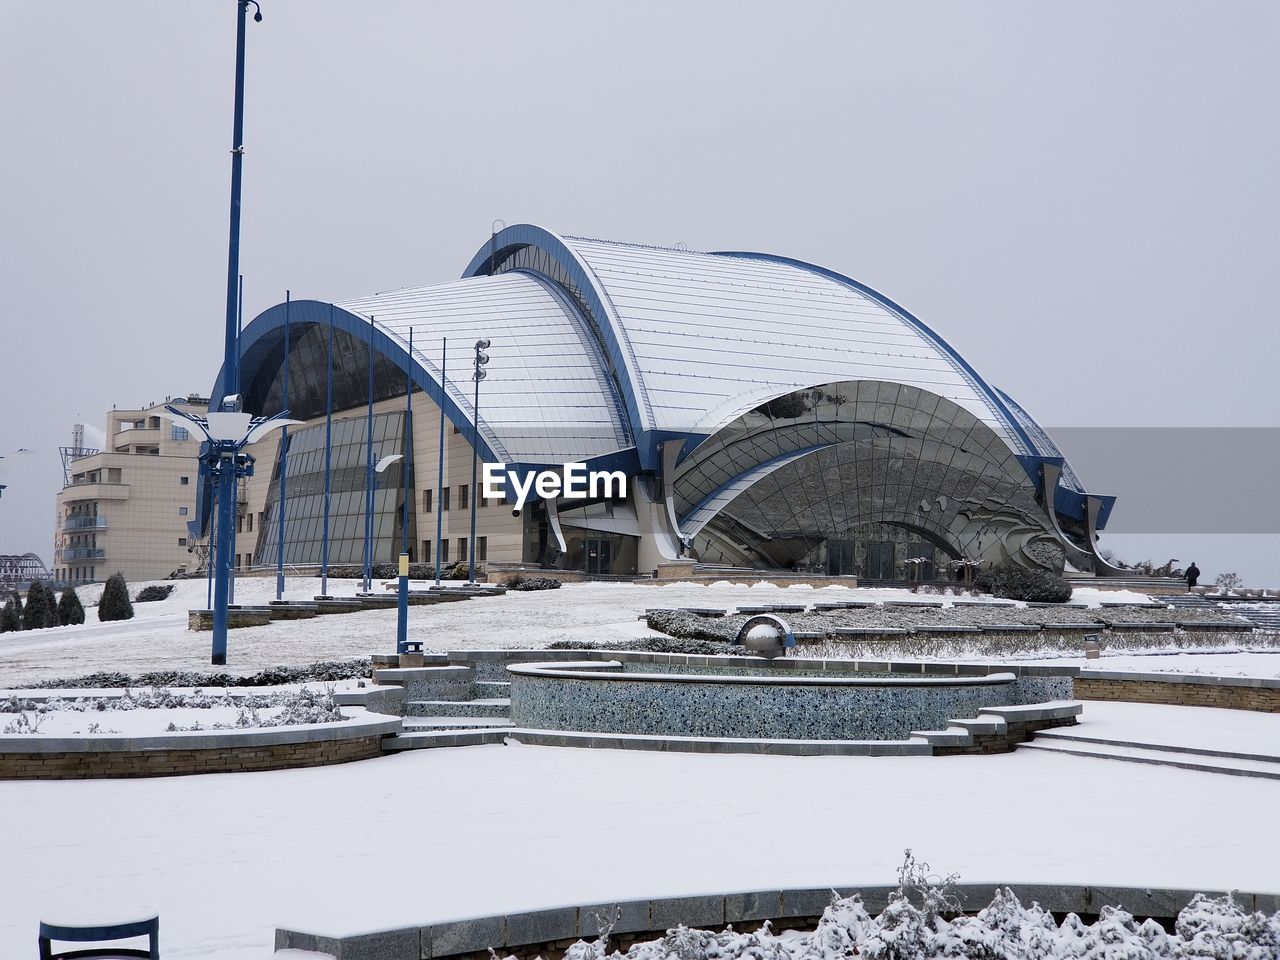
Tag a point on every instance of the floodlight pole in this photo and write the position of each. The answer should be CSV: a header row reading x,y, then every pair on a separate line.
x,y
328,455
402,607
444,357
368,476
284,460
477,374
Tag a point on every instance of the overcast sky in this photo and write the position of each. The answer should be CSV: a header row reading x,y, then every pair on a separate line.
x,y
1081,197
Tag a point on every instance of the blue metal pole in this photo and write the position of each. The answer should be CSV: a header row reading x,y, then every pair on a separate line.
x,y
235,503
208,560
475,458
368,475
284,460
402,609
328,454
226,480
444,395
231,357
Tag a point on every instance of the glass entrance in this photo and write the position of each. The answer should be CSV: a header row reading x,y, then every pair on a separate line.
x,y
880,561
840,558
599,559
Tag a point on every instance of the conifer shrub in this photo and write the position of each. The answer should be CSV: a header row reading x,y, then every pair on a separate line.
x,y
115,604
70,609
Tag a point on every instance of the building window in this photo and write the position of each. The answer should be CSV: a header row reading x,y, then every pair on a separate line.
x,y
426,501
248,523
182,511
444,551
178,433
462,496
455,429
482,548
184,481
182,541
462,549
444,499
426,551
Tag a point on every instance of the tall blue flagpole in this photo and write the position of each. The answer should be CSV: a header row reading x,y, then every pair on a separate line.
x,y
444,394
368,475
284,460
402,610
328,455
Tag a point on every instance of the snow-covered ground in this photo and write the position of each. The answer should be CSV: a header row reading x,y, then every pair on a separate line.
x,y
158,639
443,834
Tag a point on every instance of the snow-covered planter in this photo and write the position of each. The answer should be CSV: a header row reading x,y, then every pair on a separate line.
x,y
922,921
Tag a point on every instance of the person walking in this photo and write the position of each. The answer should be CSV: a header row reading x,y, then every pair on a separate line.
x,y
1193,575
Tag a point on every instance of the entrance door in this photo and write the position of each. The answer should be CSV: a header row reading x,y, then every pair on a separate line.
x,y
880,560
599,561
840,558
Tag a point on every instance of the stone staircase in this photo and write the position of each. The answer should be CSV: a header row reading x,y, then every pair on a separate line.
x,y
1227,762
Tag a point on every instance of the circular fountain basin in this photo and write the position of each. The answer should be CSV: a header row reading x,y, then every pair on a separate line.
x,y
746,702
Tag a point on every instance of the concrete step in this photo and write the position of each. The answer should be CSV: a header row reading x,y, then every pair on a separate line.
x,y
455,723
1184,760
1073,735
430,739
492,689
491,707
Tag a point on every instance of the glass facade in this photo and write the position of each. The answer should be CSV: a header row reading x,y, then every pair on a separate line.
x,y
304,494
861,478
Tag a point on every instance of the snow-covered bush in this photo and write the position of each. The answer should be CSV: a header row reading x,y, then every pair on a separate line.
x,y
1015,582
523,583
1226,582
154,592
24,723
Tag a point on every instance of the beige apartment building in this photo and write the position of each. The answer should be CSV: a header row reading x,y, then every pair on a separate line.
x,y
125,508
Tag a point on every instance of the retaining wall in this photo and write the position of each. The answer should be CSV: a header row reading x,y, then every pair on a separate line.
x,y
35,757
1186,690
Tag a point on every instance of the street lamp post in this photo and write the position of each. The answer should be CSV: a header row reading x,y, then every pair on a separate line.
x,y
222,458
477,375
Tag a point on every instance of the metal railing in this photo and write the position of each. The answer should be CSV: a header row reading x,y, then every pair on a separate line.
x,y
85,523
84,553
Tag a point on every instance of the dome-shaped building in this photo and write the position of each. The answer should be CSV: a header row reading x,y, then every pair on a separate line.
x,y
768,413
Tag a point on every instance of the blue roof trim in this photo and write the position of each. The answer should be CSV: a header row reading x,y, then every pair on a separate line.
x,y
961,365
603,316
267,329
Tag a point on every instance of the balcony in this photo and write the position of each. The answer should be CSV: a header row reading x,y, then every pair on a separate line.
x,y
83,553
85,523
95,490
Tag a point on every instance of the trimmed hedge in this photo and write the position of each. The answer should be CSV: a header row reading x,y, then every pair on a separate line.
x,y
1014,582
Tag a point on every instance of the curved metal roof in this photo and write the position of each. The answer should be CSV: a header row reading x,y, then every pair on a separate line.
x,y
696,339
547,398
